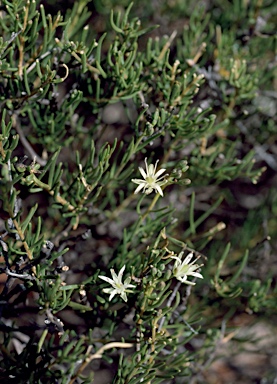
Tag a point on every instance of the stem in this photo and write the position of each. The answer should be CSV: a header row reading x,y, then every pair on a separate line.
x,y
58,198
98,355
25,142
169,302
2,151
151,206
23,276
22,237
167,45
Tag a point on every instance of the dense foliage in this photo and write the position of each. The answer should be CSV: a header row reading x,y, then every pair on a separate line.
x,y
92,94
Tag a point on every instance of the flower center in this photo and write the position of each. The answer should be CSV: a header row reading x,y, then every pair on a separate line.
x,y
150,180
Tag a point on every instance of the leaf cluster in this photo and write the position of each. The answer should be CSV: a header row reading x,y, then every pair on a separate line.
x,y
81,107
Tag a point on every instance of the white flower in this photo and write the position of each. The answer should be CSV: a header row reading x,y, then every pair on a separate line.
x,y
152,180
118,288
181,270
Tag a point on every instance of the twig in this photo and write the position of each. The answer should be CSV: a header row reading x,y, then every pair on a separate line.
x,y
13,222
18,275
199,53
169,302
98,355
25,143
57,322
167,45
47,188
22,238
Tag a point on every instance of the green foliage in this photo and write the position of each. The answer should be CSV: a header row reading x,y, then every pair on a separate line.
x,y
82,104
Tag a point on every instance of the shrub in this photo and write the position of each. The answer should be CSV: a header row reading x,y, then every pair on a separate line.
x,y
145,285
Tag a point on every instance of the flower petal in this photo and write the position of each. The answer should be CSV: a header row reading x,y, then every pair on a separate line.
x,y
159,189
178,260
114,276
188,258
138,181
182,279
114,292
151,170
124,296
141,186
129,286
142,171
120,274
107,279
197,274
108,290
162,170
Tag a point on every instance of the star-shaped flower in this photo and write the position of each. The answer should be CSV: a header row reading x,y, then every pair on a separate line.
x,y
152,180
118,288
181,270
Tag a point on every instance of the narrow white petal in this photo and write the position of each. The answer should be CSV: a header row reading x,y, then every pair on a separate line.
x,y
182,279
178,260
107,279
114,292
159,189
114,276
108,290
188,258
124,296
138,181
160,172
146,165
131,286
151,170
120,274
196,274
142,171
141,186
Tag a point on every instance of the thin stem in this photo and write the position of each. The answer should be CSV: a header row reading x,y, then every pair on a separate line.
x,y
98,355
25,143
151,206
167,45
169,302
23,276
2,151
22,238
58,197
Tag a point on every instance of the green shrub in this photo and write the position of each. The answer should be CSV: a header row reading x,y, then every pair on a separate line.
x,y
88,106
